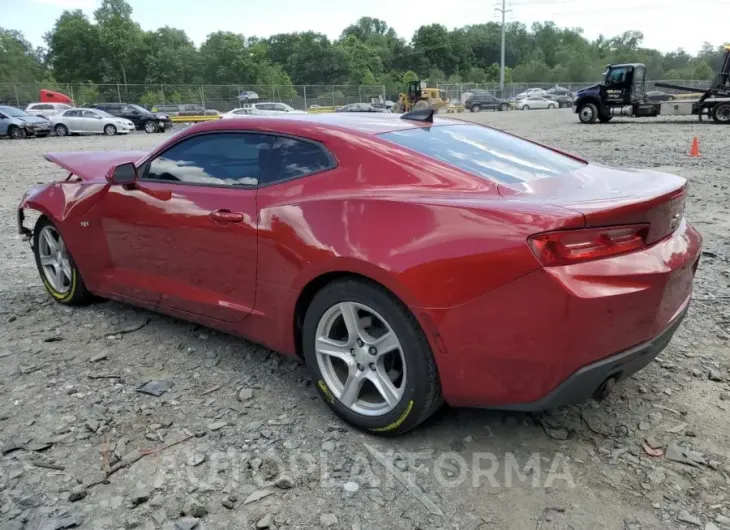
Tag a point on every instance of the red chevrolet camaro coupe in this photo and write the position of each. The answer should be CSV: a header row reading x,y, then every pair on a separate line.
x,y
408,260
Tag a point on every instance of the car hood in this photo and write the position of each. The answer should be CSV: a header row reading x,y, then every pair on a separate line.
x,y
93,164
587,89
32,119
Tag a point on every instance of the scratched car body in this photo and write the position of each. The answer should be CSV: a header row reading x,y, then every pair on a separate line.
x,y
407,260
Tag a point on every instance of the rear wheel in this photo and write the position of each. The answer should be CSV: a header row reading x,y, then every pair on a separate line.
x,y
397,108
17,133
503,107
588,113
58,271
150,127
110,130
475,108
422,104
721,113
551,106
526,107
369,357
61,130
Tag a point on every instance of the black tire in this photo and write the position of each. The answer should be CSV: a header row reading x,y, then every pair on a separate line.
x,y
605,119
61,130
17,133
475,108
588,113
551,107
76,294
110,130
503,107
422,388
721,113
149,127
526,107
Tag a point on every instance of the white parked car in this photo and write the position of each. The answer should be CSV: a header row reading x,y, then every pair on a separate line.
x,y
46,110
271,108
240,113
536,102
89,121
531,92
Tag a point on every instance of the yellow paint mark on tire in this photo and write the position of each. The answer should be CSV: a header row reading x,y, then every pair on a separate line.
x,y
397,423
61,297
326,391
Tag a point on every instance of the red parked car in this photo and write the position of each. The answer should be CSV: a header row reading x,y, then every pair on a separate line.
x,y
407,260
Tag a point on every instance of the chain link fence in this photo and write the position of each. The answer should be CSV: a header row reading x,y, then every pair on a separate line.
x,y
461,91
215,97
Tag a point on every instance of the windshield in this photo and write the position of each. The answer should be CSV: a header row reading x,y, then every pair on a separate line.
x,y
485,152
14,113
140,109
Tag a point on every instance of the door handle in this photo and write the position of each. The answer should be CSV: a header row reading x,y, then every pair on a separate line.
x,y
226,216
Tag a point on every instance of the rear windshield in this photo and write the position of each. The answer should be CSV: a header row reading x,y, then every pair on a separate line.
x,y
485,152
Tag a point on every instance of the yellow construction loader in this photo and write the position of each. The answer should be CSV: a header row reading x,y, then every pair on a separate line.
x,y
420,96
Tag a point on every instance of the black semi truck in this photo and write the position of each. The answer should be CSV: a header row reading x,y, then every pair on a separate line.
x,y
622,94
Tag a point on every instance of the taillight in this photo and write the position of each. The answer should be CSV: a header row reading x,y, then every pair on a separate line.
x,y
565,247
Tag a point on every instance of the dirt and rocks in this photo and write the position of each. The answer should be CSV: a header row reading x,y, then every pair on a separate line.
x,y
237,438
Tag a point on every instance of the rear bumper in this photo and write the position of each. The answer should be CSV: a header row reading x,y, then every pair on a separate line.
x,y
586,382
522,345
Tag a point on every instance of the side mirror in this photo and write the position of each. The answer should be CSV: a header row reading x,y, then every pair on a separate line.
x,y
123,174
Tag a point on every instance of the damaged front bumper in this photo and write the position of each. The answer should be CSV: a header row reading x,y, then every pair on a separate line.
x,y
23,230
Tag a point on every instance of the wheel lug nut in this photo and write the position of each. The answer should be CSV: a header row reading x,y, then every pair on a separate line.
x,y
359,342
360,367
352,352
373,350
372,366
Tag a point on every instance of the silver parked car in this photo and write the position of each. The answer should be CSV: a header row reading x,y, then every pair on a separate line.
x,y
90,121
536,102
46,110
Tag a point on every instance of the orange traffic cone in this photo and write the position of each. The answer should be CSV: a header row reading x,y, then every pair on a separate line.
x,y
695,149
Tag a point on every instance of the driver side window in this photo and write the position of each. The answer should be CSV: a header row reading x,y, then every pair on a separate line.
x,y
616,76
215,159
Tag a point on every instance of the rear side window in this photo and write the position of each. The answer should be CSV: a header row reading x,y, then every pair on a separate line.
x,y
292,158
485,152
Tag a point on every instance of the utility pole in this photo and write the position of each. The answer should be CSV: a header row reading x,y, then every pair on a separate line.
x,y
504,12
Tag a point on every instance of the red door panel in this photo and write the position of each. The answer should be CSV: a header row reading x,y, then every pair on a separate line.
x,y
193,250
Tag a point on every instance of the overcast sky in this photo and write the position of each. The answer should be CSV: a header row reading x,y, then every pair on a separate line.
x,y
666,24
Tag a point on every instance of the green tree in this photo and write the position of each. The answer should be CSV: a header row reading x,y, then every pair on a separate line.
x,y
171,57
19,61
74,48
88,93
120,39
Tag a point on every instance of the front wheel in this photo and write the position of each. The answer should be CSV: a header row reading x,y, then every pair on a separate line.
x,y
58,271
588,113
17,133
61,130
110,130
369,358
721,113
504,107
475,108
150,127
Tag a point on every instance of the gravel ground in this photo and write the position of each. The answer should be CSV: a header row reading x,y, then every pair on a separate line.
x,y
257,448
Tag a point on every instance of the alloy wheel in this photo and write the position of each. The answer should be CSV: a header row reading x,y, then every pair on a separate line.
x,y
150,127
360,358
54,259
